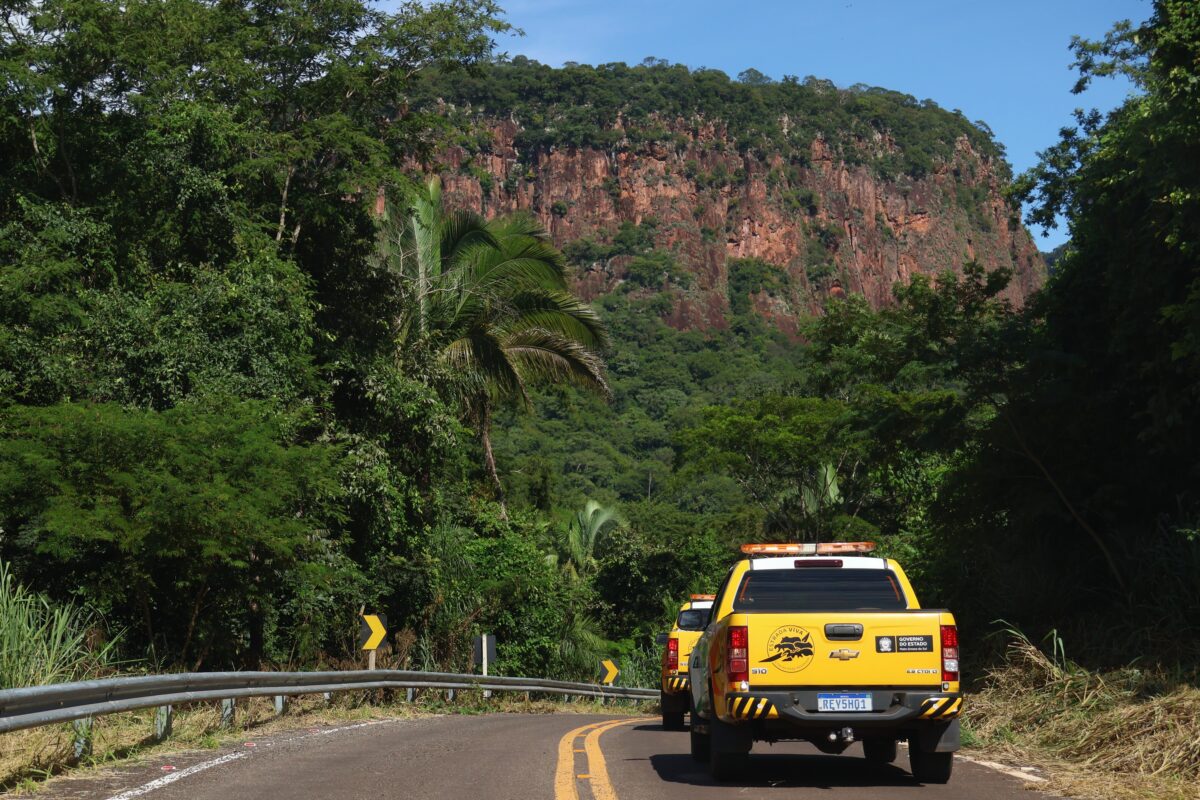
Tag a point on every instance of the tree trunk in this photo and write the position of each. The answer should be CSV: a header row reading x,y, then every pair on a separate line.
x,y
257,620
489,458
254,655
1062,495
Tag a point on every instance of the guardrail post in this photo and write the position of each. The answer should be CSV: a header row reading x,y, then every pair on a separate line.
x,y
227,706
280,705
409,693
449,695
328,697
83,737
162,722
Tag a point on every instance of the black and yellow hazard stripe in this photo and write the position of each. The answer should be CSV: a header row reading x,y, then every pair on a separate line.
x,y
941,707
675,685
743,706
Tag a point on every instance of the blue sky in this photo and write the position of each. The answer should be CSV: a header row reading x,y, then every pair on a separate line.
x,y
1005,63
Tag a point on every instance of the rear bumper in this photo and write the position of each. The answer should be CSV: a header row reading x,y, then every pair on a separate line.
x,y
896,708
676,684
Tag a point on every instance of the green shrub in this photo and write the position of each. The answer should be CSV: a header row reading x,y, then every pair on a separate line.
x,y
749,276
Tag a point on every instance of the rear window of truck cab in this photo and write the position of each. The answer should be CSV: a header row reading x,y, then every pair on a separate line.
x,y
692,620
799,590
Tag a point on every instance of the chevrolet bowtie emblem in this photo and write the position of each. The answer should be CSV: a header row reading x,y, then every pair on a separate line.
x,y
843,654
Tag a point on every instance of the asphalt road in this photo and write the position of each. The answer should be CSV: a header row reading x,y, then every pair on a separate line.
x,y
514,757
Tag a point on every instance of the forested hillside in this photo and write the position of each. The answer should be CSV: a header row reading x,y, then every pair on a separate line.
x,y
257,371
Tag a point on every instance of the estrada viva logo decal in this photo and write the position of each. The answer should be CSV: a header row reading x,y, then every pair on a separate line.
x,y
790,649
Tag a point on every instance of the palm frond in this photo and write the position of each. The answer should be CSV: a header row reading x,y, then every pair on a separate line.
x,y
460,232
525,269
544,356
520,224
580,643
483,365
556,312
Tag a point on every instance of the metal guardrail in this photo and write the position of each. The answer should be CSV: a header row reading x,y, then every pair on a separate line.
x,y
45,705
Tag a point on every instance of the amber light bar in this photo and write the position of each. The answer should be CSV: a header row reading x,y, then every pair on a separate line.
x,y
809,549
704,597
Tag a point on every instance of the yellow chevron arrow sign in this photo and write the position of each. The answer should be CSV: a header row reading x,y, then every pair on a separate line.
x,y
608,671
372,631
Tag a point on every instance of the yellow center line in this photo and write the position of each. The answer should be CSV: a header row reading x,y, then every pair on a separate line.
x,y
601,786
565,775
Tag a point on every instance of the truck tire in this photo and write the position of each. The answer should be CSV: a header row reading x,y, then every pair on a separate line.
x,y
673,708
930,767
699,742
729,751
879,751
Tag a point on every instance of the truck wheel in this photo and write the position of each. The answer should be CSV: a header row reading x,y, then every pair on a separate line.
x,y
673,708
729,751
699,742
880,751
930,767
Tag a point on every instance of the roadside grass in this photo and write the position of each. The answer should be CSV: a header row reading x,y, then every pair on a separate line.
x,y
41,643
1127,733
29,758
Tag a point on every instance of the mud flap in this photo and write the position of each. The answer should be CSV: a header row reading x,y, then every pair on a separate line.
x,y
938,737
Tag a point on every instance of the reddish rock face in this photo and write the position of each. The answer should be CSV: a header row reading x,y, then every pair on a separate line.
x,y
829,225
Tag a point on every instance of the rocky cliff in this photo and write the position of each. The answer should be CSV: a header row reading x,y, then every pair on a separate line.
x,y
824,219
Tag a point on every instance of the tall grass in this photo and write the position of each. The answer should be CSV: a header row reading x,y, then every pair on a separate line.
x,y
42,643
641,668
1136,722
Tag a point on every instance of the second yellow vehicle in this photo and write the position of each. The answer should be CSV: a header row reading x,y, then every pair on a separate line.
x,y
677,647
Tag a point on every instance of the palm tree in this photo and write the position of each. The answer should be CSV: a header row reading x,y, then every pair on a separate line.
x,y
581,645
579,542
487,307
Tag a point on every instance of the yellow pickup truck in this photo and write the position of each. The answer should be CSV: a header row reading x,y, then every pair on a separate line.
x,y
677,648
821,642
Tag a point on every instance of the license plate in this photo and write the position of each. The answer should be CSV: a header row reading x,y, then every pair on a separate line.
x,y
843,702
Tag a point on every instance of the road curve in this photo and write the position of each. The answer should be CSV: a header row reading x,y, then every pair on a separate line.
x,y
514,757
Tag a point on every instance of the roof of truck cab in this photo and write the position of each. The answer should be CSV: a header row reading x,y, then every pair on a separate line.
x,y
696,604
847,562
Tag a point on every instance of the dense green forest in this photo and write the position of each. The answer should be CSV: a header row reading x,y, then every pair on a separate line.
x,y
614,106
237,404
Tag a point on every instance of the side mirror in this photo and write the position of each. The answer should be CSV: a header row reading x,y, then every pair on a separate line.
x,y
661,638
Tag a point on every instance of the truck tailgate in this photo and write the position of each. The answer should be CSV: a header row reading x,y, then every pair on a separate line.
x,y
857,648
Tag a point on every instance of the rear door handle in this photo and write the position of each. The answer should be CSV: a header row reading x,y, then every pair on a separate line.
x,y
844,631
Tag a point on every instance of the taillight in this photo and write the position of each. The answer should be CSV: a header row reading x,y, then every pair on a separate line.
x,y
738,666
673,655
949,653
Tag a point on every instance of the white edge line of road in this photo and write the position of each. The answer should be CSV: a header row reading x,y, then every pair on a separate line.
x,y
1007,770
167,780
1021,773
327,731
